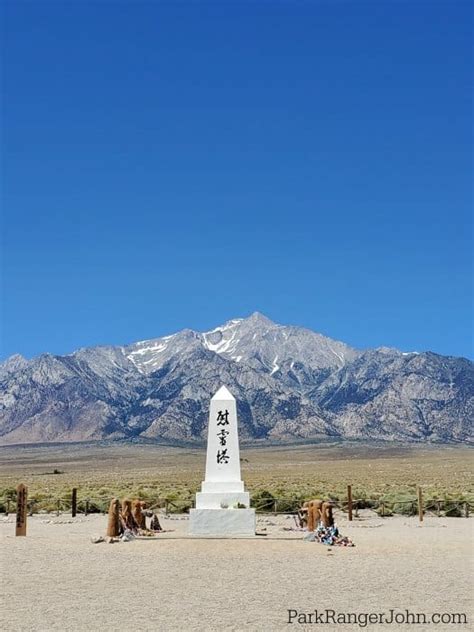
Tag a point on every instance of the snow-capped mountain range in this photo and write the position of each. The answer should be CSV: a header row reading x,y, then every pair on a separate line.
x,y
290,383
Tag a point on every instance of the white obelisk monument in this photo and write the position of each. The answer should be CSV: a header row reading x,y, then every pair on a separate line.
x,y
222,506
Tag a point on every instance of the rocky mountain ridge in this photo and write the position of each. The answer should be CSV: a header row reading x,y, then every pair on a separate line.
x,y
290,383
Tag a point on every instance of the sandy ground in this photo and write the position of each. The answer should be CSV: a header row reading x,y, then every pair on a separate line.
x,y
56,579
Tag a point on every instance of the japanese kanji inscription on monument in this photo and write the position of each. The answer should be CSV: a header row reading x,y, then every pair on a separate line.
x,y
223,420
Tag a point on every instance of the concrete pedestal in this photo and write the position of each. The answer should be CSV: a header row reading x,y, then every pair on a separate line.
x,y
206,500
222,522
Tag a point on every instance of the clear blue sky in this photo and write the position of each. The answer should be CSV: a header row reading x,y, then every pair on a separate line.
x,y
171,165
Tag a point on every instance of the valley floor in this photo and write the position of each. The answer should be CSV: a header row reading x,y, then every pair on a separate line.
x,y
317,470
56,579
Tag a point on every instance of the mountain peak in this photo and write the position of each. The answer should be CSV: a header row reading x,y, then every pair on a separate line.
x,y
16,357
261,319
14,362
291,382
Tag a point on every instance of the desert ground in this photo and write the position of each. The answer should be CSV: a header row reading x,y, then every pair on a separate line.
x,y
56,578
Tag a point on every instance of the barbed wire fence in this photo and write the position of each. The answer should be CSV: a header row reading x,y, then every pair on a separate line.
x,y
262,504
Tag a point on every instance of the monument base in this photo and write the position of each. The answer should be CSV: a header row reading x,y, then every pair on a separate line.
x,y
222,522
208,500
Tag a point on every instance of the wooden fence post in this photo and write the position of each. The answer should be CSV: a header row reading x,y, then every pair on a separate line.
x,y
383,510
74,502
420,504
86,509
349,502
21,499
438,508
466,510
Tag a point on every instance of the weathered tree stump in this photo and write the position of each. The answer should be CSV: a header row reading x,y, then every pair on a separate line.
x,y
113,526
137,512
126,517
326,514
314,513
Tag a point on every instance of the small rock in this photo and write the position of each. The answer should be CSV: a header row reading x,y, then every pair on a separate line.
x,y
96,539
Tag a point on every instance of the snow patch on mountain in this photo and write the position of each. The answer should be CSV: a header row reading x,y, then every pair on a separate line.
x,y
275,366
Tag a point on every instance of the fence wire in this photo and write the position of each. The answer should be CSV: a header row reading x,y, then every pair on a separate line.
x,y
275,506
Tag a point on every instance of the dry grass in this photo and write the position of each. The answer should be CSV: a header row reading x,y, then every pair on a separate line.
x,y
151,471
